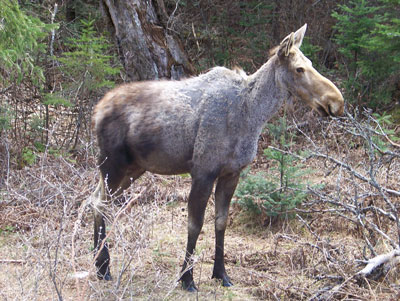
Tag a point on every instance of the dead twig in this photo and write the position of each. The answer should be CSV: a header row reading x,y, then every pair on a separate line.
x,y
8,261
355,173
119,214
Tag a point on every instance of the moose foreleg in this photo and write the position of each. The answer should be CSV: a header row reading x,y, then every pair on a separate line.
x,y
198,197
223,194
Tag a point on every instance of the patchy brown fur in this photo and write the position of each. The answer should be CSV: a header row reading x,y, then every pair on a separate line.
x,y
239,71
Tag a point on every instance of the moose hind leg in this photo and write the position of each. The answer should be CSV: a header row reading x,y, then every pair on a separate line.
x,y
116,185
223,194
102,256
198,197
130,176
114,171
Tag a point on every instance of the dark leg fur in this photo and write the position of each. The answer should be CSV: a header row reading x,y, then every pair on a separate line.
x,y
102,261
223,194
199,194
125,183
115,184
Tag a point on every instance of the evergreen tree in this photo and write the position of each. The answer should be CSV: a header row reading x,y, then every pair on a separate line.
x,y
87,66
283,188
369,42
21,44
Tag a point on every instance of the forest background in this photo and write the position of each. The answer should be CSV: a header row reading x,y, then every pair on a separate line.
x,y
322,196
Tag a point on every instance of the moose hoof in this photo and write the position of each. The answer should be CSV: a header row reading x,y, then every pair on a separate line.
x,y
189,287
106,276
226,281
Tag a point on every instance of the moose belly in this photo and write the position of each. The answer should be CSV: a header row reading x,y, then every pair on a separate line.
x,y
165,163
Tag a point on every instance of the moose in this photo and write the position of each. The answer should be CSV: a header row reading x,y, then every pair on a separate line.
x,y
207,126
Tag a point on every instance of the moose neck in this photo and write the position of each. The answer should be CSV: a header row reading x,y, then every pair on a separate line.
x,y
265,95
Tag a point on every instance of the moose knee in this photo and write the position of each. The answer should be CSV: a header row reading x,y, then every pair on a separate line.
x,y
194,227
220,222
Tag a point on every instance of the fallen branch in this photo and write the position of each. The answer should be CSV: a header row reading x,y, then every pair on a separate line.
x,y
7,261
377,261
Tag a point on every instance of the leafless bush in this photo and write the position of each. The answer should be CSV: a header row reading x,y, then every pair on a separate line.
x,y
46,233
362,194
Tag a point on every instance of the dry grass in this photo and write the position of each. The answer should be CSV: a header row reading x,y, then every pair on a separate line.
x,y
46,238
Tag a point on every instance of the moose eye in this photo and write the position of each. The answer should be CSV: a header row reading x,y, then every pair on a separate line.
x,y
300,70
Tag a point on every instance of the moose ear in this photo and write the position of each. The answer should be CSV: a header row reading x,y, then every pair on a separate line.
x,y
286,45
299,35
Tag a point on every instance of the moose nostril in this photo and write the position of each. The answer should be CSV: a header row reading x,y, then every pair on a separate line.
x,y
330,111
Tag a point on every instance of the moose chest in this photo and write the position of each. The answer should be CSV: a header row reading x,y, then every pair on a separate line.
x,y
226,151
244,152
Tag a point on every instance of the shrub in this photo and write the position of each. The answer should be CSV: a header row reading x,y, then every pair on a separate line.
x,y
269,194
5,117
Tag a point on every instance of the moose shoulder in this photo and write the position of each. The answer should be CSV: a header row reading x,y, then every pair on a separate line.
x,y
207,126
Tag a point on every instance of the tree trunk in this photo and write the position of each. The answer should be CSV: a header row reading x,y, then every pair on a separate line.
x,y
70,10
146,47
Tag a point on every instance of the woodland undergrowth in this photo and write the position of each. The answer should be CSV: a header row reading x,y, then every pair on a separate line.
x,y
315,251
